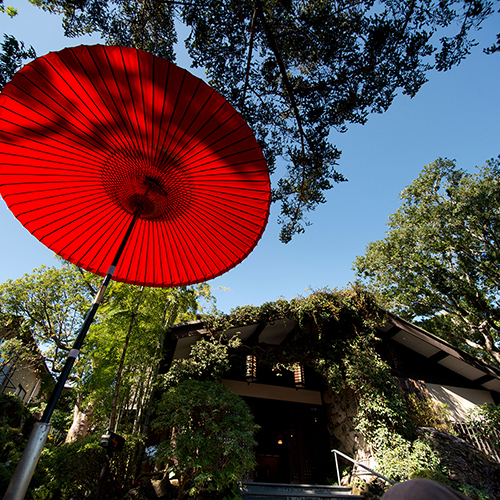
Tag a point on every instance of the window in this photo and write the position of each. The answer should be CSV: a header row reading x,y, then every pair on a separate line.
x,y
20,392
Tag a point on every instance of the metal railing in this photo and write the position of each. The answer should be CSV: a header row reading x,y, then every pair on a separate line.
x,y
359,464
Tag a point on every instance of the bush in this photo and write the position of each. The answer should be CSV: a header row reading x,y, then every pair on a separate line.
x,y
211,439
70,470
16,423
399,459
485,422
429,413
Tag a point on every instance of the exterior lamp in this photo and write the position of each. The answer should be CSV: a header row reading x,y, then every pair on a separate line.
x,y
298,376
251,375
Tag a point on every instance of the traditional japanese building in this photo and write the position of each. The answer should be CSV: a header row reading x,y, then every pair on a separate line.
x,y
301,419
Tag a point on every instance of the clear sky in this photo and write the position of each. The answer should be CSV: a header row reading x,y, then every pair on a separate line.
x,y
455,115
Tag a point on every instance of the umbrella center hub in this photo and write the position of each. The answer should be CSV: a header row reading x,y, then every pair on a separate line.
x,y
134,183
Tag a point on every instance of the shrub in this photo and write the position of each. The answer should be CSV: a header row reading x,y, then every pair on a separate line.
x,y
398,459
429,413
16,423
210,447
485,422
70,470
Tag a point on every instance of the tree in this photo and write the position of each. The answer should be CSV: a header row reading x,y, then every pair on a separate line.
x,y
125,347
211,444
13,52
295,69
440,260
52,302
12,57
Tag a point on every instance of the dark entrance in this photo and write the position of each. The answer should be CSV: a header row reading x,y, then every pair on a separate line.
x,y
293,442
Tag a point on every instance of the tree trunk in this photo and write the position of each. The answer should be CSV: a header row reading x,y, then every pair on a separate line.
x,y
112,418
79,427
491,348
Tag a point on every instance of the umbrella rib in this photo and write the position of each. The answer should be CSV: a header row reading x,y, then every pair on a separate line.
x,y
132,135
57,168
168,147
120,218
234,216
76,203
208,219
144,103
165,88
67,214
84,119
162,229
31,130
54,122
118,139
188,127
117,135
186,260
138,128
134,244
165,135
208,145
196,157
103,121
156,257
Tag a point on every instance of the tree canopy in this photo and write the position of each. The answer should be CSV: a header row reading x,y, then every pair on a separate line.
x,y
440,260
295,69
210,446
51,303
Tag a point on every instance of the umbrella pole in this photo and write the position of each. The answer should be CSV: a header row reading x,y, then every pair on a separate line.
x,y
26,467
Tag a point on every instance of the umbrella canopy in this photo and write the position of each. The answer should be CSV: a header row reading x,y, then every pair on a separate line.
x,y
90,135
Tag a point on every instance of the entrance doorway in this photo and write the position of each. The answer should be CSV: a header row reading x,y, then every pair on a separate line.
x,y
292,442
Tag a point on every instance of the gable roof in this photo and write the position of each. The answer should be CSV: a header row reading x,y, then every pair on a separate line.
x,y
433,348
437,350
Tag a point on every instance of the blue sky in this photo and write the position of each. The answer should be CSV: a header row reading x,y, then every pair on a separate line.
x,y
455,115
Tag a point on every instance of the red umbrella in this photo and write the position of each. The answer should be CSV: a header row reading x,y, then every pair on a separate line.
x,y
90,134
127,166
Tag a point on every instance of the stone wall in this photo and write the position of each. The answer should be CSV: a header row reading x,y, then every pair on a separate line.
x,y
341,413
466,464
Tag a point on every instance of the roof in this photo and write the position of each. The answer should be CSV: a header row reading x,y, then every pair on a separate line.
x,y
433,348
439,351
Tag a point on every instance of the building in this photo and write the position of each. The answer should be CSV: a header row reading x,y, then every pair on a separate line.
x,y
22,373
301,419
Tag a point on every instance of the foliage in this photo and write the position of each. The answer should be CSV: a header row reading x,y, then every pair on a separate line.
x,y
429,413
440,260
13,52
485,422
51,303
336,336
211,444
70,470
10,11
472,492
433,475
295,70
15,425
48,307
208,360
156,310
399,459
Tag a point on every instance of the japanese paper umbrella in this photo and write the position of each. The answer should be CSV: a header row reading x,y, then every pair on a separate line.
x,y
90,136
130,167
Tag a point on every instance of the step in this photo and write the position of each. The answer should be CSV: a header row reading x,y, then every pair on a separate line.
x,y
263,491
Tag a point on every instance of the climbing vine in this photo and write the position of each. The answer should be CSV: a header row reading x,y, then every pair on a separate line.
x,y
336,335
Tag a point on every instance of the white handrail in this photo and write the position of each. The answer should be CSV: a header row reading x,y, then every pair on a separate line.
x,y
337,452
